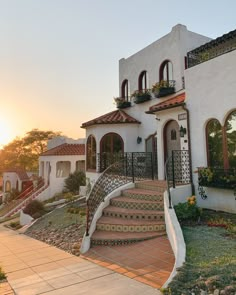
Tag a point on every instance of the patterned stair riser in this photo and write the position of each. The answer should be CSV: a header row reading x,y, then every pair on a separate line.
x,y
119,242
143,197
141,206
151,188
149,215
131,228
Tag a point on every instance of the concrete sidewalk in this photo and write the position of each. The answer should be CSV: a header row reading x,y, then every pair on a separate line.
x,y
33,267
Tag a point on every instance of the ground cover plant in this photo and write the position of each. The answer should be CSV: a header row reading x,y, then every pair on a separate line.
x,y
210,238
64,227
210,263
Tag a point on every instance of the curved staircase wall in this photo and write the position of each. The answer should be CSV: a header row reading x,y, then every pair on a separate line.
x,y
87,239
174,233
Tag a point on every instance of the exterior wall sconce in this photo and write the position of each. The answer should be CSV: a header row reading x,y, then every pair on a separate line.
x,y
139,140
182,131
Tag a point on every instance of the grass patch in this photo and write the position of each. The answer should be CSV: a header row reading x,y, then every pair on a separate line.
x,y
210,259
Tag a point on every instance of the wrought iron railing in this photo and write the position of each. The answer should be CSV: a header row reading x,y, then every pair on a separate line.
x,y
216,177
177,170
129,167
212,49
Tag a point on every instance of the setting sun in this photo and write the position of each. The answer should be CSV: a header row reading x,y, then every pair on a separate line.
x,y
5,132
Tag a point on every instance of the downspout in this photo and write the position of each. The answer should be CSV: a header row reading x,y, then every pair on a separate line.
x,y
189,148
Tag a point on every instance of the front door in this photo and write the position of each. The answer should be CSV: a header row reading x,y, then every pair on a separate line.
x,y
171,138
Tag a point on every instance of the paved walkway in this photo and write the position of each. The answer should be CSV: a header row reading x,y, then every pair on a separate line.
x,y
150,262
33,267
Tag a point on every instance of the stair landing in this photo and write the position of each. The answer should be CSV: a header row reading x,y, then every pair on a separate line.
x,y
150,262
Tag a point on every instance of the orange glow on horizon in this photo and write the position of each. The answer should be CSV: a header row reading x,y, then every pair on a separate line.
x,y
5,132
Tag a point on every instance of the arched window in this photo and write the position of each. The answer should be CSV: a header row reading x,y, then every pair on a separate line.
x,y
143,81
112,147
214,144
112,143
230,129
91,151
166,71
125,89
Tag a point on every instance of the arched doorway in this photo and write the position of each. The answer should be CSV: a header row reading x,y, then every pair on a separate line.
x,y
171,138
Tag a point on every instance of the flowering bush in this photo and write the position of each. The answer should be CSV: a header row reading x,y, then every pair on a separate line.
x,y
139,93
188,210
119,99
158,85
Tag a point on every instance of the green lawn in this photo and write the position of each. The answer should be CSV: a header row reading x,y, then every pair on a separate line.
x,y
210,261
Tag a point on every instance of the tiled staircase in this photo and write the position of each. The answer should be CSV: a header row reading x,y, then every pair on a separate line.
x,y
136,215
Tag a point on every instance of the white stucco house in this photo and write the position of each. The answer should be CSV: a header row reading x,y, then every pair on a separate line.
x,y
167,102
63,156
15,179
177,99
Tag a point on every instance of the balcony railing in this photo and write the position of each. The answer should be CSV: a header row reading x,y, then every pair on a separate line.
x,y
178,170
212,49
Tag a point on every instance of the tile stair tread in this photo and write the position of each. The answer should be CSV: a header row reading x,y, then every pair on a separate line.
x,y
132,211
100,235
129,222
132,200
141,191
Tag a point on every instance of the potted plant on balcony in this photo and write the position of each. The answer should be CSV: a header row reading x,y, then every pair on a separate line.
x,y
163,88
141,95
122,103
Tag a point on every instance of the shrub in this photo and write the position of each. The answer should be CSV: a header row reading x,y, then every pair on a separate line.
x,y
74,181
188,210
2,275
34,207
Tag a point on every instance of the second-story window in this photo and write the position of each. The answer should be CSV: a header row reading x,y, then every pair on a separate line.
x,y
143,81
125,89
166,71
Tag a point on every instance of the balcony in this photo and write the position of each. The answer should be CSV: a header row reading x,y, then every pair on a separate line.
x,y
212,49
218,178
163,88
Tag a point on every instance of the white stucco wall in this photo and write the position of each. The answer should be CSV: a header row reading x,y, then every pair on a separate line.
x,y
173,46
50,169
163,118
210,91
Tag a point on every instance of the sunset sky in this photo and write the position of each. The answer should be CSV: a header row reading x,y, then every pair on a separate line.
x,y
59,58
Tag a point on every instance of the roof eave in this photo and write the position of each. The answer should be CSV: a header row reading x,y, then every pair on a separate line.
x,y
166,108
110,123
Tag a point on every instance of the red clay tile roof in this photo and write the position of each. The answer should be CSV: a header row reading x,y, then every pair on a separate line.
x,y
167,104
66,149
20,172
115,117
